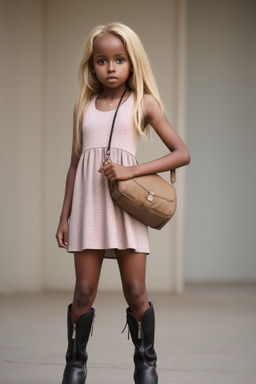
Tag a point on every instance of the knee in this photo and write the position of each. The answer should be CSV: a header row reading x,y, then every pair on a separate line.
x,y
136,296
84,294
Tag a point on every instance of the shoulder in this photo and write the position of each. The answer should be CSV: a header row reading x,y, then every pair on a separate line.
x,y
152,109
150,102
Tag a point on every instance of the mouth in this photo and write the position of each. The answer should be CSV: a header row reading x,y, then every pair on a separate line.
x,y
111,78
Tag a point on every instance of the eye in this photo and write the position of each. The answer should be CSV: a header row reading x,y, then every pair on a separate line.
x,y
120,60
101,61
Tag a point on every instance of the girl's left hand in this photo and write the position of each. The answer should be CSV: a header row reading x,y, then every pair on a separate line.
x,y
115,171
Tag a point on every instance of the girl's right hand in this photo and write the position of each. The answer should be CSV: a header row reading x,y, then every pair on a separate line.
x,y
62,234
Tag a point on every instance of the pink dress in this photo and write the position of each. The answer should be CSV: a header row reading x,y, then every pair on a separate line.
x,y
96,222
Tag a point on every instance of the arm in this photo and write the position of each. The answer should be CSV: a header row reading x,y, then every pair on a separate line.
x,y
62,231
178,156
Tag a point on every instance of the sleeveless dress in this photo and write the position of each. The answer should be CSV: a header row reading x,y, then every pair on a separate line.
x,y
96,222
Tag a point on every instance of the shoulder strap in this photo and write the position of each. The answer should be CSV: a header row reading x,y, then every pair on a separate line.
x,y
173,176
112,128
173,171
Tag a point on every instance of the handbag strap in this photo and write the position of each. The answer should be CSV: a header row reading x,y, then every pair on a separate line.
x,y
173,171
173,176
112,128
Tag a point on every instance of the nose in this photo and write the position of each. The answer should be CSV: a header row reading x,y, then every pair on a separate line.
x,y
111,67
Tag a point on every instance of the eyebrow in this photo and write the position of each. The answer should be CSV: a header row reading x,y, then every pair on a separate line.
x,y
103,55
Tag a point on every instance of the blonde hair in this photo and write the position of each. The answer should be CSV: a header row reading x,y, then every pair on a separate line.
x,y
141,81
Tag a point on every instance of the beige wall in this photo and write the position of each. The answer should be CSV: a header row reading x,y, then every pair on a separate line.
x,y
40,45
21,149
42,42
220,221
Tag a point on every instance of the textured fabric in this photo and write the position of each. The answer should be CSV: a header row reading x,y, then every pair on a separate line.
x,y
96,222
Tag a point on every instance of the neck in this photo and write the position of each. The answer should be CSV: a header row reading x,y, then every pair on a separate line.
x,y
108,93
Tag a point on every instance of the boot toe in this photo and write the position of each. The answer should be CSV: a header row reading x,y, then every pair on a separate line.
x,y
145,374
74,373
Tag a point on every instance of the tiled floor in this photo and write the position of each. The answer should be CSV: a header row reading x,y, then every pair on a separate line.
x,y
205,336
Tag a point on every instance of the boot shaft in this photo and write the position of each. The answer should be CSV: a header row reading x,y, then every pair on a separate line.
x,y
143,335
78,335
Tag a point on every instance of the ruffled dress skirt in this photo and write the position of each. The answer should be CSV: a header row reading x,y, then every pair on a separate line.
x,y
96,222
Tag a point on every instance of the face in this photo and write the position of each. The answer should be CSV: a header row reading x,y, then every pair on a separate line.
x,y
111,62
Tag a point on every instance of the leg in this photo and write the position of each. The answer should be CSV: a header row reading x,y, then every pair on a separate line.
x,y
87,268
140,315
132,266
81,315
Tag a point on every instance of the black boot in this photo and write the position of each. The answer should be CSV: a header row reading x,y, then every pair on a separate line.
x,y
78,334
143,334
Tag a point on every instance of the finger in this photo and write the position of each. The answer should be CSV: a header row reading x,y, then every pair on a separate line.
x,y
60,240
109,173
112,177
65,240
107,167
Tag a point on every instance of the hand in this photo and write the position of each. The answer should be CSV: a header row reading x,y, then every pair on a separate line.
x,y
115,171
62,234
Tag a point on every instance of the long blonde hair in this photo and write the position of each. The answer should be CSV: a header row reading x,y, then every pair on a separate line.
x,y
141,80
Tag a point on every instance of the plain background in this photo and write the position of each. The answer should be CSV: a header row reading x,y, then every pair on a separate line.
x,y
208,91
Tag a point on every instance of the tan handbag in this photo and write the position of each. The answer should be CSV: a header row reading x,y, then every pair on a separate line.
x,y
150,198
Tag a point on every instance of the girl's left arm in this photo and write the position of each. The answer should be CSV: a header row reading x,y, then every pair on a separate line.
x,y
178,156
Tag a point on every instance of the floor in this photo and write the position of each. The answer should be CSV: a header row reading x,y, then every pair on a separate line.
x,y
205,336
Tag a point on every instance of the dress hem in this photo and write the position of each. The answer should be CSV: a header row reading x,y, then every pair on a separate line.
x,y
109,250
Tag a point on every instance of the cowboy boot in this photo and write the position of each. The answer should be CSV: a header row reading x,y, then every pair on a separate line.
x,y
142,333
76,357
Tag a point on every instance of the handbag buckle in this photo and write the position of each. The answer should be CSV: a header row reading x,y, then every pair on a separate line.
x,y
150,196
106,162
107,159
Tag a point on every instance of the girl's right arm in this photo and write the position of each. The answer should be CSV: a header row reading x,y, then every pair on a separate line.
x,y
62,231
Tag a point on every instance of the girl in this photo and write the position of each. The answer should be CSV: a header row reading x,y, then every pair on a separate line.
x,y
91,225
